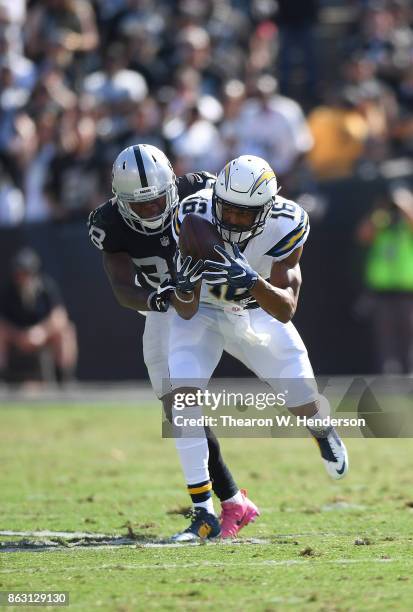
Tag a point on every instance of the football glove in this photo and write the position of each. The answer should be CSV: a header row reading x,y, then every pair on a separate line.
x,y
234,271
187,273
158,301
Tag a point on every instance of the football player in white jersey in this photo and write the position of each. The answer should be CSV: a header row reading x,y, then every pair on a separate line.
x,y
133,232
243,306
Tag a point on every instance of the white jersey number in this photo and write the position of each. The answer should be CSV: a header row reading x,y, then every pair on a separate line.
x,y
97,236
154,269
194,205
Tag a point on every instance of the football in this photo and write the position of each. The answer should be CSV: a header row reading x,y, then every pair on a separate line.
x,y
198,238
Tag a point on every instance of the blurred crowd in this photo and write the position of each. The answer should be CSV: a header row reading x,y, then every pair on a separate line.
x,y
204,80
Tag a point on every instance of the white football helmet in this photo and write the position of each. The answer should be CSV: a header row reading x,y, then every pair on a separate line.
x,y
246,183
142,173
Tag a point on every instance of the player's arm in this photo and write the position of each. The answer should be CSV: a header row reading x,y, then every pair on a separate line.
x,y
190,183
279,295
188,280
187,273
186,304
121,273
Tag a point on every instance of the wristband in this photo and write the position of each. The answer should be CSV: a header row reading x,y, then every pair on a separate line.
x,y
184,301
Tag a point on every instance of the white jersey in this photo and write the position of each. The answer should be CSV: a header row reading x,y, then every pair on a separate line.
x,y
286,229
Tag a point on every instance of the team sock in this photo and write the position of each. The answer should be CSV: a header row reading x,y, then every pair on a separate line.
x,y
324,410
193,452
201,496
235,499
208,505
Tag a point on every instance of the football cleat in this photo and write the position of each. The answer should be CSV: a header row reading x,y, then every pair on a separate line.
x,y
236,516
204,526
334,454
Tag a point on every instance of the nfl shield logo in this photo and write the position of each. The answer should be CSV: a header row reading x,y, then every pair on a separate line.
x,y
164,241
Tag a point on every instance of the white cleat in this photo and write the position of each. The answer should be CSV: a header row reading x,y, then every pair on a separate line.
x,y
334,454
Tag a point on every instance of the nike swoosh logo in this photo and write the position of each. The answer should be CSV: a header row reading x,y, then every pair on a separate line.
x,y
341,470
240,275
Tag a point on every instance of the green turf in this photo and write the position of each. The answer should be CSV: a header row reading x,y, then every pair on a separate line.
x,y
104,469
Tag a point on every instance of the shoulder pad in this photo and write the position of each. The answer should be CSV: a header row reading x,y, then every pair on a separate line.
x,y
103,223
199,203
194,181
289,225
103,214
205,179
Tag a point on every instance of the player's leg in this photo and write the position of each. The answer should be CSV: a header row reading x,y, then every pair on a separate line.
x,y
195,349
5,343
155,345
223,483
65,352
156,341
155,349
283,357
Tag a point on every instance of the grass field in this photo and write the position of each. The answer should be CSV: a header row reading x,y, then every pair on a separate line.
x,y
103,469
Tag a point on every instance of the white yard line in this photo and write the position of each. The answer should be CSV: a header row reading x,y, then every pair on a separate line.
x,y
172,566
58,534
97,540
103,536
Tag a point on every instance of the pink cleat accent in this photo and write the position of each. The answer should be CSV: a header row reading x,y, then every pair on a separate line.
x,y
236,516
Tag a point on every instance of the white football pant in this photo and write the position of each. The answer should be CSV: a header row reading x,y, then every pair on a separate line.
x,y
269,348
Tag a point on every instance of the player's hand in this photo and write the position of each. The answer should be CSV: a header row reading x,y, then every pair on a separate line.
x,y
158,300
234,271
187,273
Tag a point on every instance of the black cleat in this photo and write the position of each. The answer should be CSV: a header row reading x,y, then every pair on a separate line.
x,y
204,526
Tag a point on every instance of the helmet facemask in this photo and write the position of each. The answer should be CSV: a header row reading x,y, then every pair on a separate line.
x,y
151,225
239,234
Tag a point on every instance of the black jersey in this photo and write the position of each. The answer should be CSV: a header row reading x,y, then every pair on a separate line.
x,y
152,254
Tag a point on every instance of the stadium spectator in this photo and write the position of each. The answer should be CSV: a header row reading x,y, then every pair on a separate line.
x,y
51,91
296,20
200,143
340,132
71,22
274,127
263,49
388,234
11,200
234,94
115,84
158,71
387,38
23,70
142,125
36,169
73,187
33,319
12,17
402,132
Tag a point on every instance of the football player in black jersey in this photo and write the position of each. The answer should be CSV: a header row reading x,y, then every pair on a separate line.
x,y
133,231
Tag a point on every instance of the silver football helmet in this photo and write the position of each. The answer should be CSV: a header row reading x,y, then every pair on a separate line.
x,y
141,174
246,183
